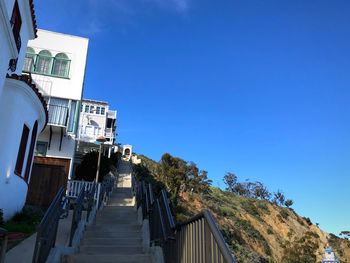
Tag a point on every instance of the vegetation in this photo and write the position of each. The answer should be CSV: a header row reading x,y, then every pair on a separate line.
x,y
246,212
302,249
87,169
255,190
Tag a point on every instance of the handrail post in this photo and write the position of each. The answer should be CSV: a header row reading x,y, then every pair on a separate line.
x,y
3,232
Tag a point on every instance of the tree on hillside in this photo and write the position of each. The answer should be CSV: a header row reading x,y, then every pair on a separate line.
x,y
288,203
346,234
230,179
260,191
278,198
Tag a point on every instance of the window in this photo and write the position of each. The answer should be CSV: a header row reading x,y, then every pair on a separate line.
x,y
22,151
43,62
103,111
98,110
92,109
41,148
86,108
31,151
16,23
72,111
58,111
61,65
29,60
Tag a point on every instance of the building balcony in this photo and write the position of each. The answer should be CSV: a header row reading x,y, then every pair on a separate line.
x,y
89,133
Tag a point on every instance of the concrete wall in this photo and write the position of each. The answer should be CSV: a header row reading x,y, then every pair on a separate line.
x,y
19,105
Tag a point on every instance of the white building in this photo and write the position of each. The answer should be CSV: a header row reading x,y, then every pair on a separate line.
x,y
57,64
329,256
96,119
23,111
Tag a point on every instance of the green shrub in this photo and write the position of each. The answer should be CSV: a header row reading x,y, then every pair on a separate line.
x,y
226,211
308,221
88,167
284,213
24,221
249,206
262,205
269,231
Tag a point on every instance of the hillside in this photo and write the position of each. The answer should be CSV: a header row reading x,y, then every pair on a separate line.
x,y
255,230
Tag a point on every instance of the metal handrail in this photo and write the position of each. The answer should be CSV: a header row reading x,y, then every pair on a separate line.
x,y
76,218
90,201
47,229
5,233
195,240
214,231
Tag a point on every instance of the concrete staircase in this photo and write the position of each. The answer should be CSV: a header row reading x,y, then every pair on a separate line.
x,y
116,235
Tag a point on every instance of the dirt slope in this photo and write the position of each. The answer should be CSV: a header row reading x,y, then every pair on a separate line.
x,y
258,231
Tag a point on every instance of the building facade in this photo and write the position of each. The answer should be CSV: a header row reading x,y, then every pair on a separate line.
x,y
56,63
23,111
96,119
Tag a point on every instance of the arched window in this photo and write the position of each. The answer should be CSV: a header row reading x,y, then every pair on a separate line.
x,y
44,62
61,65
29,60
31,151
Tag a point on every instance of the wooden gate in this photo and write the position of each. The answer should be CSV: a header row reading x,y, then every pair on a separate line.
x,y
45,181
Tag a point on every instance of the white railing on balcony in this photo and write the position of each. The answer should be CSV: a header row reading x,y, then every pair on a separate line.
x,y
74,187
109,133
90,132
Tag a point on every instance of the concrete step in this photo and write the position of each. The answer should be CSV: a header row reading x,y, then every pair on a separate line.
x,y
116,221
113,234
103,241
110,250
114,227
85,258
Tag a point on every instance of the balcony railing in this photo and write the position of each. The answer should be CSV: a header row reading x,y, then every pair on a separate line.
x,y
109,133
90,132
58,115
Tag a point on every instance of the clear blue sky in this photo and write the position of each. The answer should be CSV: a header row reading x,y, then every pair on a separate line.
x,y
258,88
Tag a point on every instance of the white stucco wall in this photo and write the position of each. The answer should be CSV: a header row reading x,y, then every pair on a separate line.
x,y
7,42
67,147
66,88
19,105
76,49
